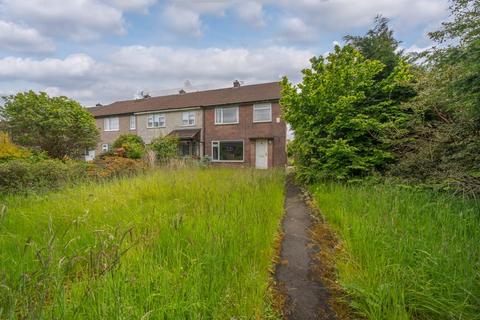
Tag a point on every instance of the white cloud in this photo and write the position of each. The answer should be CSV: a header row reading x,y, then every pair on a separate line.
x,y
182,20
75,19
14,37
294,29
132,5
252,13
50,72
160,70
341,15
415,49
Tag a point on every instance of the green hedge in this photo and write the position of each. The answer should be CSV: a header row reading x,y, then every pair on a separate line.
x,y
20,175
25,175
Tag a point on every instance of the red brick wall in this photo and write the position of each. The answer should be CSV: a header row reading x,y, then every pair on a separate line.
x,y
245,130
110,136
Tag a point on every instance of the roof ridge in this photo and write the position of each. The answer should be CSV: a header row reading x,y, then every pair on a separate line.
x,y
183,94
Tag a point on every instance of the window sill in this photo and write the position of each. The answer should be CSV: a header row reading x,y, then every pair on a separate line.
x,y
265,121
226,124
157,127
187,125
111,130
238,161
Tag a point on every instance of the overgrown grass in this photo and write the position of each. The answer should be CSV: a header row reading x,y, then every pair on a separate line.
x,y
187,244
407,254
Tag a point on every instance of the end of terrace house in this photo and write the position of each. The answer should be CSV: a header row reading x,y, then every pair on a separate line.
x,y
236,126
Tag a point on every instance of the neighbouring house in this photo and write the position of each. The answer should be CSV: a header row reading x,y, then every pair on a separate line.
x,y
240,125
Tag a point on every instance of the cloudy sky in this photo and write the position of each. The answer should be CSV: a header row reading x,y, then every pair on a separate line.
x,y
99,51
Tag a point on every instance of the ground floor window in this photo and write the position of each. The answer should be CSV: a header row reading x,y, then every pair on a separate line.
x,y
188,148
227,150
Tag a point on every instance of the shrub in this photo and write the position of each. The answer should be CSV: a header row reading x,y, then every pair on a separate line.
x,y
22,175
342,115
112,166
129,146
57,125
9,150
165,147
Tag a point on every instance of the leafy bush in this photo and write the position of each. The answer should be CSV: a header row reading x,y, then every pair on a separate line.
x,y
129,146
57,125
341,114
8,150
21,175
112,166
165,147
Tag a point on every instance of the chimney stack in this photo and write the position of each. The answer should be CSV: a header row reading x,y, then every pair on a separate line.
x,y
236,84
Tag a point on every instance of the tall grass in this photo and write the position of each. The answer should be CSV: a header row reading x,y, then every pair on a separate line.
x,y
187,244
408,254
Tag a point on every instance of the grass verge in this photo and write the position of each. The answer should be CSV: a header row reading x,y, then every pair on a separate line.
x,y
406,254
187,244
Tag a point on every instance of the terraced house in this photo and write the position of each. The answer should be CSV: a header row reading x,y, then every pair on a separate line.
x,y
240,125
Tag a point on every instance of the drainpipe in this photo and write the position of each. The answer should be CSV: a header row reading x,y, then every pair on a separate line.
x,y
203,130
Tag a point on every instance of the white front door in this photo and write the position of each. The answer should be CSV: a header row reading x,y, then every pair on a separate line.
x,y
261,154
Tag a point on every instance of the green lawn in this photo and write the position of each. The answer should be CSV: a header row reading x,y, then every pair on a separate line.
x,y
187,244
408,254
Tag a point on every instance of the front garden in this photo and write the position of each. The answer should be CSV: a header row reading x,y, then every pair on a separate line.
x,y
185,244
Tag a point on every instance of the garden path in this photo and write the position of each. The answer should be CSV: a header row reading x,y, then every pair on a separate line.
x,y
305,296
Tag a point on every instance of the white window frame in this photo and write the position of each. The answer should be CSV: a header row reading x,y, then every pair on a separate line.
x,y
220,141
220,121
160,115
133,122
107,125
105,147
262,106
186,117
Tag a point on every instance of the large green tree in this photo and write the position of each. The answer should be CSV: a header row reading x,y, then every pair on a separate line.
x,y
443,141
378,44
57,125
342,115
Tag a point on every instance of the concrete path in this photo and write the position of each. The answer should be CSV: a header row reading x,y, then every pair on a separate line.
x,y
306,297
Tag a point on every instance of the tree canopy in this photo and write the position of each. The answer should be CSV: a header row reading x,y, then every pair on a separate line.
x,y
341,114
378,44
57,125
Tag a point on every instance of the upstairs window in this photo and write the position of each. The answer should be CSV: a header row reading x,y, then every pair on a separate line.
x,y
188,118
226,115
133,122
156,120
111,124
262,112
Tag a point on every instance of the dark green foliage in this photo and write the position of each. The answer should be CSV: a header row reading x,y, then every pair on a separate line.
x,y
19,176
442,147
342,115
378,44
165,147
129,146
58,125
